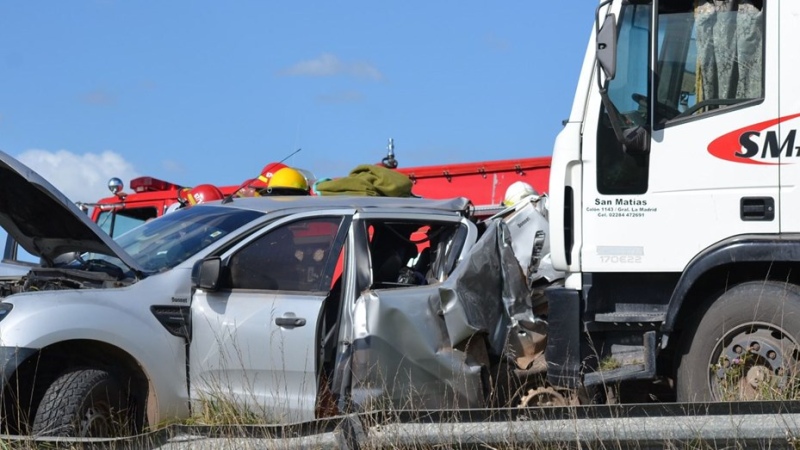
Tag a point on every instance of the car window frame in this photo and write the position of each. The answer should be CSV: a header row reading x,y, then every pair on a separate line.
x,y
230,250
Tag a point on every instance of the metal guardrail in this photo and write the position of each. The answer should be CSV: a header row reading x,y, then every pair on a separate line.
x,y
678,425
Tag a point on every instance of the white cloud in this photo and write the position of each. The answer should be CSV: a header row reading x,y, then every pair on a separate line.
x,y
80,177
341,97
363,69
173,166
327,65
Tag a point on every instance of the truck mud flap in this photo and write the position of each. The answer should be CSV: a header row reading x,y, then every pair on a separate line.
x,y
563,352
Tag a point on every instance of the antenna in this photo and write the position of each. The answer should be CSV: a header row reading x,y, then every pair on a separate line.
x,y
389,161
230,196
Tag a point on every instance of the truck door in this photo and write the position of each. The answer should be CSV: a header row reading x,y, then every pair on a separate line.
x,y
255,341
709,169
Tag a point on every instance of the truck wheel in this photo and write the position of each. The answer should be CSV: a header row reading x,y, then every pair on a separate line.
x,y
745,347
83,403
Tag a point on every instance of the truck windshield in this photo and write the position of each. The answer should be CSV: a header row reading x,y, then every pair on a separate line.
x,y
165,242
124,219
710,56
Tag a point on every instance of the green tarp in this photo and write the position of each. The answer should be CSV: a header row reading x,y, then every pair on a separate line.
x,y
368,180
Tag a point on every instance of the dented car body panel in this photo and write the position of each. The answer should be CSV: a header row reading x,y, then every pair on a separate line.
x,y
433,346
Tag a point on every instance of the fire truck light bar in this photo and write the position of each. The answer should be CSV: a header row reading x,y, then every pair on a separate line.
x,y
150,184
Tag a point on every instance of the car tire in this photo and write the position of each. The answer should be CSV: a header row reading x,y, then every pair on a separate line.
x,y
745,346
84,403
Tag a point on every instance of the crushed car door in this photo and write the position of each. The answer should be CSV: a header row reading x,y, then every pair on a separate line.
x,y
394,347
255,339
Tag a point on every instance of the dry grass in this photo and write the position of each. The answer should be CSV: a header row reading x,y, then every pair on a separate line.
x,y
217,408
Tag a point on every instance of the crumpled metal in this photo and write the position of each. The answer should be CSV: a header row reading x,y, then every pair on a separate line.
x,y
433,346
485,291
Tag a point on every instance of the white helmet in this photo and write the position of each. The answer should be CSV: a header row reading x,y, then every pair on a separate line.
x,y
173,207
518,191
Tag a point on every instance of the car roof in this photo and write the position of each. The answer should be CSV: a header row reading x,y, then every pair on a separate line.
x,y
269,204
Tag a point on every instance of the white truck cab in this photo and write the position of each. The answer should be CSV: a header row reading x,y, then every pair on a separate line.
x,y
674,193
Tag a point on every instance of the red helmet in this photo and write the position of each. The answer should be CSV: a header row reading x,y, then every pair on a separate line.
x,y
204,193
266,174
183,195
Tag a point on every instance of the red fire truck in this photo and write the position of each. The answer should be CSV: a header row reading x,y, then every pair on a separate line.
x,y
148,198
483,182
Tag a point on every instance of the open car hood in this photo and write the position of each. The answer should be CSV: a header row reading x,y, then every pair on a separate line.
x,y
44,221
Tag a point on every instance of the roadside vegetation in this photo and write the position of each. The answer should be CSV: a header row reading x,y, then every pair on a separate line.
x,y
226,421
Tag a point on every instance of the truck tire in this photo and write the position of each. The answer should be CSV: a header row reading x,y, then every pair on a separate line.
x,y
83,403
745,347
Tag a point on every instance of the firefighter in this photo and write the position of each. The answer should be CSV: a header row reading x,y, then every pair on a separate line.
x,y
204,193
517,191
183,200
267,172
183,195
287,181
262,182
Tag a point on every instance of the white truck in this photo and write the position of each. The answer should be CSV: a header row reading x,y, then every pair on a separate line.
x,y
674,193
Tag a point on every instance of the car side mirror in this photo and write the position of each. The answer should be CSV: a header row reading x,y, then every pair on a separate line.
x,y
206,273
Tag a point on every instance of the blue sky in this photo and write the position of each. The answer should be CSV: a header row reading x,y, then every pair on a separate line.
x,y
209,92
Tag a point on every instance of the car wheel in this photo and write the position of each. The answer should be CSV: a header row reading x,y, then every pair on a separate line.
x,y
84,403
745,347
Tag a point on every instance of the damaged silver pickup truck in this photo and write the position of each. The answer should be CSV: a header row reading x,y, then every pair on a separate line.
x,y
290,308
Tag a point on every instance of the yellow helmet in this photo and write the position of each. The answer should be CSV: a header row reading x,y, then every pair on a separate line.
x,y
288,178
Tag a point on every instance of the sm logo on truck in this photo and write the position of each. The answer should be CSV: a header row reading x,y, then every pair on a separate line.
x,y
753,145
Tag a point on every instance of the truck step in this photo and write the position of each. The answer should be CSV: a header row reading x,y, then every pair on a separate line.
x,y
645,369
626,373
631,317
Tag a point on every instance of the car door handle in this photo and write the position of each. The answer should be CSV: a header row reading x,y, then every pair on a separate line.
x,y
290,322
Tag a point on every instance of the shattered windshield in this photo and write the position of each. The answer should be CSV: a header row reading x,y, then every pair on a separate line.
x,y
170,240
711,56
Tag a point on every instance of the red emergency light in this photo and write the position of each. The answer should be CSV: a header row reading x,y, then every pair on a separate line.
x,y
150,184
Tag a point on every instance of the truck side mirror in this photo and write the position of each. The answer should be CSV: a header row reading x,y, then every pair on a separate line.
x,y
607,46
206,273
